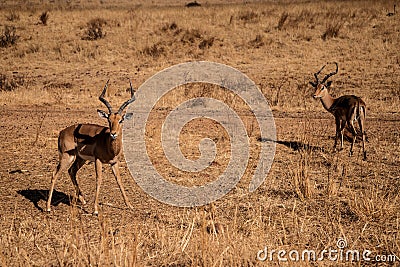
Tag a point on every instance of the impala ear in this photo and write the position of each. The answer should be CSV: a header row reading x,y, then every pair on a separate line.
x,y
313,84
328,84
102,114
128,116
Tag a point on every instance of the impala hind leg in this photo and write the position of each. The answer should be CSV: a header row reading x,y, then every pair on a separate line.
x,y
78,163
64,162
361,124
354,133
342,126
115,170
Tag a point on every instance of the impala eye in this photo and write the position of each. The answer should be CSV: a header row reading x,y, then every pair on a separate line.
x,y
121,120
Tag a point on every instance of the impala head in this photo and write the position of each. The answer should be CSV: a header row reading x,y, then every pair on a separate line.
x,y
322,86
115,119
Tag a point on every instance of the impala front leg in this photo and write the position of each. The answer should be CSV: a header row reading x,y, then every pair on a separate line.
x,y
337,121
115,170
99,170
64,162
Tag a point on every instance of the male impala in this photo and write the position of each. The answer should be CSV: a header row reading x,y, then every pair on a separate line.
x,y
89,142
347,109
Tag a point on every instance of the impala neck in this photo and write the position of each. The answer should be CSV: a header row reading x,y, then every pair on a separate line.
x,y
115,145
327,100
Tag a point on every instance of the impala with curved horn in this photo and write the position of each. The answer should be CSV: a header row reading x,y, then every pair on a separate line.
x,y
347,109
80,143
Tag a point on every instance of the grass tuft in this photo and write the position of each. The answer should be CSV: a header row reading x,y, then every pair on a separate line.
x,y
44,17
9,36
332,31
282,20
95,29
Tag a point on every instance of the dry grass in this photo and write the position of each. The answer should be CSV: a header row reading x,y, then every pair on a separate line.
x,y
51,78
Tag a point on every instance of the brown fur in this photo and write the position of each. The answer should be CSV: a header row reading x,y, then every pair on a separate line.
x,y
80,143
346,109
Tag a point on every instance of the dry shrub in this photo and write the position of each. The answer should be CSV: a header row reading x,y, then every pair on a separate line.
x,y
282,20
206,43
332,31
196,37
9,36
95,30
190,36
44,17
10,83
173,27
155,50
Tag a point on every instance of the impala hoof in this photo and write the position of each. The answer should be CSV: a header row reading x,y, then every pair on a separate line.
x,y
82,200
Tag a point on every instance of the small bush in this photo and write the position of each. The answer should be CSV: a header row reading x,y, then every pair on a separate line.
x,y
171,29
95,29
190,36
331,31
206,43
10,83
9,36
155,50
44,17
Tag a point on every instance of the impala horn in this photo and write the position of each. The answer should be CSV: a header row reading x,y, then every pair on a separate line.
x,y
102,99
126,103
331,74
316,77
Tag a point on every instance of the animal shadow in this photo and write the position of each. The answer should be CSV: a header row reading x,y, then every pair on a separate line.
x,y
295,145
36,195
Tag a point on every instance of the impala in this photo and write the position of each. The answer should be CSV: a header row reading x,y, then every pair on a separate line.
x,y
80,143
347,109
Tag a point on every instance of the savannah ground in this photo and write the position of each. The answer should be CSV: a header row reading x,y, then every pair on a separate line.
x,y
51,77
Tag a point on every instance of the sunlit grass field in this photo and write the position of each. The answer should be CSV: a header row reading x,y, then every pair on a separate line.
x,y
55,64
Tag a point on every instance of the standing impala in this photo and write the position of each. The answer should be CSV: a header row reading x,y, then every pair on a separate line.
x,y
89,142
347,109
